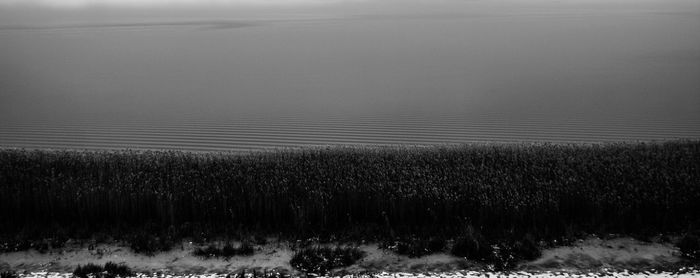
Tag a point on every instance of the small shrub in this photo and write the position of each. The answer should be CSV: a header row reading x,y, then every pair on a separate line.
x,y
146,243
142,243
246,249
109,270
8,274
118,269
321,260
418,247
228,251
208,252
84,271
258,274
15,245
501,256
260,240
41,246
526,249
690,246
402,248
436,245
472,245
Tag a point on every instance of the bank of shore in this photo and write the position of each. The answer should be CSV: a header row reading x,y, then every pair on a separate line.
x,y
592,255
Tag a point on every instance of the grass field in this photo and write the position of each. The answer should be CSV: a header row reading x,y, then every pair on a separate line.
x,y
534,191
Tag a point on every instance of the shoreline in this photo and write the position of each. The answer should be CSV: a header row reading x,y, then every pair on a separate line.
x,y
591,255
357,147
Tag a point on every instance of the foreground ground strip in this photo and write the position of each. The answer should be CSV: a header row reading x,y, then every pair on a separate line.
x,y
593,255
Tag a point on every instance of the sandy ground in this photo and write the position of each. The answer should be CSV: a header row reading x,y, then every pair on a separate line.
x,y
592,254
619,253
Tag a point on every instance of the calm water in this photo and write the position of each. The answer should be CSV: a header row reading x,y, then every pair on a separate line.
x,y
355,72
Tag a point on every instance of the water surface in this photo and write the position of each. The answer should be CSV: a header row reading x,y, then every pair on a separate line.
x,y
356,72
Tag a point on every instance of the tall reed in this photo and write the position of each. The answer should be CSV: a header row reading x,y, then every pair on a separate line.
x,y
542,189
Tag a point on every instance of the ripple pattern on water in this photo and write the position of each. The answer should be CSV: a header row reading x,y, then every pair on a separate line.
x,y
261,134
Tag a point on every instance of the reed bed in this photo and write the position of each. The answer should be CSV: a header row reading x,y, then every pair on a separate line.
x,y
544,190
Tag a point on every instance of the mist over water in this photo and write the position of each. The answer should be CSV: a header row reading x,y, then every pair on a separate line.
x,y
243,76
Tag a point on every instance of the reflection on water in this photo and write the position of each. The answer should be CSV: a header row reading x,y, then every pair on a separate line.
x,y
252,134
355,73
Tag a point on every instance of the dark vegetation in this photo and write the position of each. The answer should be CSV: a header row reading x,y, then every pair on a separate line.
x,y
321,260
146,243
109,270
689,246
501,255
417,247
8,274
512,195
253,273
227,251
42,245
474,246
